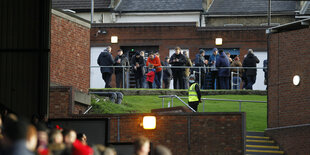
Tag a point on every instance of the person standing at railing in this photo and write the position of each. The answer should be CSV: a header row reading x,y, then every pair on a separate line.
x,y
178,60
187,71
120,73
201,62
150,75
167,73
105,59
214,71
194,94
250,61
236,72
153,59
144,82
137,64
223,73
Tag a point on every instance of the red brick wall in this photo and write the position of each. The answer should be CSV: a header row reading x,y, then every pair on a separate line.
x,y
60,102
70,54
288,104
289,56
210,133
292,140
167,37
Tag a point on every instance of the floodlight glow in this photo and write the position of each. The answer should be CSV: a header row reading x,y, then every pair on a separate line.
x,y
114,39
218,41
149,122
296,80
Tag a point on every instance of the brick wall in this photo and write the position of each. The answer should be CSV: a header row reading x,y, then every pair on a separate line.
x,y
167,37
62,103
70,52
186,133
292,140
289,56
288,105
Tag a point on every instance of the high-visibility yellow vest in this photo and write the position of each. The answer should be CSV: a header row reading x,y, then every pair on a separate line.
x,y
192,94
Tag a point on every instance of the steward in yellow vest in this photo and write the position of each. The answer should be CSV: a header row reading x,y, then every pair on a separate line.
x,y
194,95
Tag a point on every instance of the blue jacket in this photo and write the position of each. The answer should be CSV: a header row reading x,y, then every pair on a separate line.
x,y
222,61
211,59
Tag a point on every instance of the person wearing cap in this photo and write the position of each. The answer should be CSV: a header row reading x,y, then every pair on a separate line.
x,y
194,95
250,61
167,73
105,59
137,64
214,71
201,62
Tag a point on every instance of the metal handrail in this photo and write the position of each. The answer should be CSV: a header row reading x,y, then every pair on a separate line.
x,y
175,96
210,99
171,67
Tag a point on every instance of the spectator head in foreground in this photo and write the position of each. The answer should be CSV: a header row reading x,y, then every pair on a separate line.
x,y
142,146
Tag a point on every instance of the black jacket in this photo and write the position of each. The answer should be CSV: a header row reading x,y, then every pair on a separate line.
x,y
181,62
250,61
124,62
140,70
105,59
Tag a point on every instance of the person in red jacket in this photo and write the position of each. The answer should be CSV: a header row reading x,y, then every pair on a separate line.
x,y
152,59
150,76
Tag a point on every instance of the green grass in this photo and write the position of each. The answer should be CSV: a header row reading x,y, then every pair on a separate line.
x,y
256,113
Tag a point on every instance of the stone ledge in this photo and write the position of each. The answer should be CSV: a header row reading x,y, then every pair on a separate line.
x,y
179,92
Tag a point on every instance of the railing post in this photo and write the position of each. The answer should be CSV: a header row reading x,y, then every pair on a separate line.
x,y
127,77
238,78
161,78
231,80
163,102
123,77
171,101
200,76
240,102
203,109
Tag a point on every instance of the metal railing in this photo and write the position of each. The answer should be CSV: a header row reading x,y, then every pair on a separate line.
x,y
203,101
175,96
196,70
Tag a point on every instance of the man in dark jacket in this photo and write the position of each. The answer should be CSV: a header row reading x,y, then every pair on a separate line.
x,y
120,73
201,62
223,73
105,59
179,60
214,71
250,61
167,73
137,64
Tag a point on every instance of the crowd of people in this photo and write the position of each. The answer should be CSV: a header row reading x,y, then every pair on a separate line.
x,y
151,72
21,137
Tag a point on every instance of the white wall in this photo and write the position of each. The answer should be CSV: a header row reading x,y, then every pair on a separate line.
x,y
157,17
96,80
259,85
99,17
106,17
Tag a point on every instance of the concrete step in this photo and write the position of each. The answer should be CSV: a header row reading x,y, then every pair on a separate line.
x,y
265,152
262,134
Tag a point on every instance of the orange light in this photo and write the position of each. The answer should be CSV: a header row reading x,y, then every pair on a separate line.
x,y
149,122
